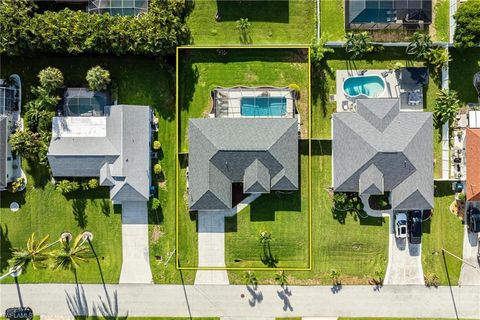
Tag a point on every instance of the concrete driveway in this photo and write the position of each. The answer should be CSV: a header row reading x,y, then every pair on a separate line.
x,y
136,265
211,247
404,260
470,275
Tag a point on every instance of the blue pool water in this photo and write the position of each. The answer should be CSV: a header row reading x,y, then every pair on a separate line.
x,y
370,86
263,106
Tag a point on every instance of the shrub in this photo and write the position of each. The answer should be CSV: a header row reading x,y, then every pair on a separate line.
x,y
358,44
66,186
419,46
156,32
446,106
437,57
93,183
467,31
50,78
340,200
295,87
462,196
26,143
318,51
431,280
156,145
16,185
157,168
154,203
98,79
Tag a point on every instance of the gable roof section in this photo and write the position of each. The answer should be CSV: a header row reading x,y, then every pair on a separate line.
x,y
118,153
262,153
3,151
366,11
473,164
398,144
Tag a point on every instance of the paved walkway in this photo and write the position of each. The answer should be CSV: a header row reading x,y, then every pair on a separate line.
x,y
469,275
135,265
226,301
211,247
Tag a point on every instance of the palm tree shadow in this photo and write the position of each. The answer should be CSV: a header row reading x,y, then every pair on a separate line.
x,y
108,308
78,207
77,303
6,247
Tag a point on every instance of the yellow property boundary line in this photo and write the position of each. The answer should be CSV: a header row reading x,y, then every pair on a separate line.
x,y
309,180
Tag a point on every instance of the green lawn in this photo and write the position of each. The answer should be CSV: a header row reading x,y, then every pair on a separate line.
x,y
47,212
355,247
441,21
284,216
141,80
345,318
465,63
200,71
272,22
332,19
444,230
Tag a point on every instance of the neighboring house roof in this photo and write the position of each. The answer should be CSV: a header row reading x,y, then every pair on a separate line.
x,y
115,148
473,164
366,11
261,153
3,151
380,148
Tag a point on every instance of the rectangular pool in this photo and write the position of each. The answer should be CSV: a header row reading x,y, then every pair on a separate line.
x,y
263,106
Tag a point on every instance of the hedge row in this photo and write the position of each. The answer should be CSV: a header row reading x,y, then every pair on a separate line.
x,y
156,32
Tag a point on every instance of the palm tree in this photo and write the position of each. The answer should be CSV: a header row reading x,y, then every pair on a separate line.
x,y
357,44
281,278
476,83
250,278
437,57
71,254
419,45
265,239
35,253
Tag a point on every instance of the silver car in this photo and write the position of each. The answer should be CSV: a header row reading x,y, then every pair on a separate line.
x,y
401,225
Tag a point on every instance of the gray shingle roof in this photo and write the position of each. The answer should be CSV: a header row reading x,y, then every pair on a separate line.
x,y
262,153
394,144
3,151
121,159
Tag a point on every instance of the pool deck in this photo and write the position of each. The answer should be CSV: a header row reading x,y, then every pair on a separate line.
x,y
229,101
394,89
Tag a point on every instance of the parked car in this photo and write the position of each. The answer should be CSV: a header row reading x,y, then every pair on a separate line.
x,y
473,219
415,226
401,225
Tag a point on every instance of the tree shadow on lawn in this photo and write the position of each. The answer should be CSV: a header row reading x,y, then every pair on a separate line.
x,y
319,86
262,11
78,209
341,217
443,189
321,147
6,248
39,173
264,208
6,198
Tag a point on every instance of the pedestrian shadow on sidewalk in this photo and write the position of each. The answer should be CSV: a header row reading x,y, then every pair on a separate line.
x,y
336,288
284,295
257,297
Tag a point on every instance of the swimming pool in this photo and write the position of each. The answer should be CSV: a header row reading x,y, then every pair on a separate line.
x,y
370,86
263,106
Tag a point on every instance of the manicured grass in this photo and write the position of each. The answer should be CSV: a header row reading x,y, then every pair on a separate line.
x,y
332,19
441,23
202,70
46,211
444,230
285,216
272,22
141,80
344,318
465,63
355,247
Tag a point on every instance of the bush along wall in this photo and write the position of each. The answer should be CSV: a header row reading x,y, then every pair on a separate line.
x,y
156,32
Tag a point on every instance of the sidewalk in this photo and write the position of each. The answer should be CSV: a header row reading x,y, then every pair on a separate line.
x,y
226,301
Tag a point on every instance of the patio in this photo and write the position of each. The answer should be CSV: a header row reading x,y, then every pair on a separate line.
x,y
405,84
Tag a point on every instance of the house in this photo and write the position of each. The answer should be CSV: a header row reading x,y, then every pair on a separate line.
x,y
114,147
260,153
113,7
381,148
472,188
387,14
10,121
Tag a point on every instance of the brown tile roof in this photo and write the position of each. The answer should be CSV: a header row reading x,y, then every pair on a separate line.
x,y
473,164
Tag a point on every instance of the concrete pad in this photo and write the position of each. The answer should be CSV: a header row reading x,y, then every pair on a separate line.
x,y
136,263
404,261
470,275
211,247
